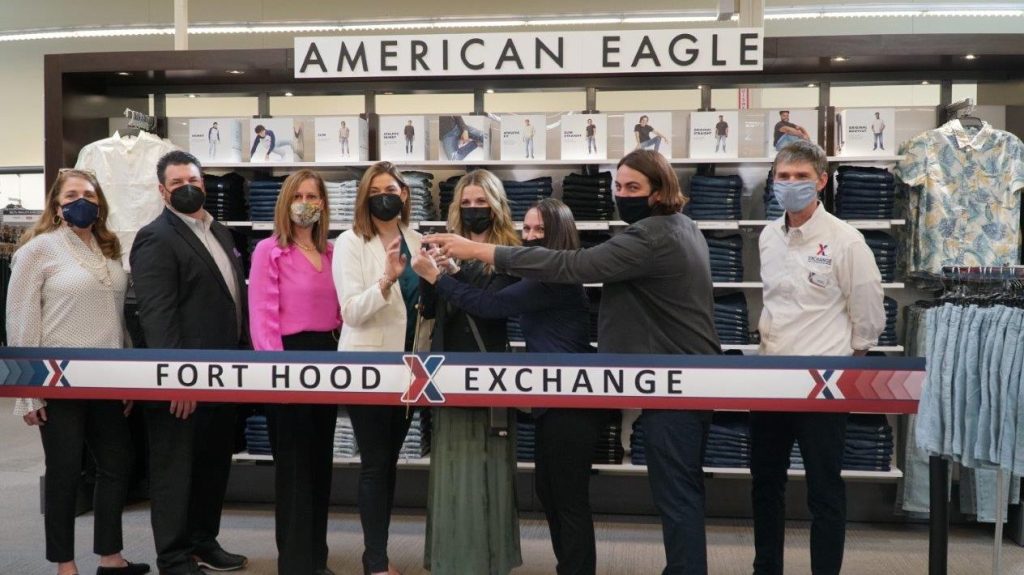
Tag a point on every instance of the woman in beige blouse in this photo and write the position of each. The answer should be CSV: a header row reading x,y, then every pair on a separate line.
x,y
67,289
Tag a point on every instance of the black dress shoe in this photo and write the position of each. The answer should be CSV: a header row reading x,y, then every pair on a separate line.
x,y
129,569
220,560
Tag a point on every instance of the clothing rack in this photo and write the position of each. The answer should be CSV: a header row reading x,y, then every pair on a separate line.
x,y
960,278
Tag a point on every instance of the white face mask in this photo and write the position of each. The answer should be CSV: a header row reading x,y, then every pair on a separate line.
x,y
795,195
305,215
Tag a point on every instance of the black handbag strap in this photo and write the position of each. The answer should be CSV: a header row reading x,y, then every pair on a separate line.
x,y
498,416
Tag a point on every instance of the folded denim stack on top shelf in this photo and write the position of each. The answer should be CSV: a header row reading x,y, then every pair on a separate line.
x,y
865,193
772,208
732,319
728,440
609,450
526,437
341,199
422,206
726,258
888,336
885,248
417,440
446,192
868,445
257,437
263,198
714,198
523,195
225,197
344,436
589,196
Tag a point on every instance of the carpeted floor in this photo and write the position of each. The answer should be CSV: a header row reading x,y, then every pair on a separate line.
x,y
625,545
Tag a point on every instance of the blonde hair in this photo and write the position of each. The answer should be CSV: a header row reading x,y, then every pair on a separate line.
x,y
502,231
49,221
284,229
363,223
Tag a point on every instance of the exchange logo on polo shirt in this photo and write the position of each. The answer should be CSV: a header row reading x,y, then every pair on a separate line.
x,y
821,257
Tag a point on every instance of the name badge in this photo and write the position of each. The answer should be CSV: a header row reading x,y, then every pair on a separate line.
x,y
819,280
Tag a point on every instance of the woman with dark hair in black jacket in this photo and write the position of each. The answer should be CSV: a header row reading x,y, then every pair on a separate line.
x,y
555,318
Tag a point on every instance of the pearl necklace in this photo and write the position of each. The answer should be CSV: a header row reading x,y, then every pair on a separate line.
x,y
95,266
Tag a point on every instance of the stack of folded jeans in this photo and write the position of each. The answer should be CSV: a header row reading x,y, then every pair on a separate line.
x,y
446,193
714,198
732,319
263,198
884,246
609,450
726,258
865,193
344,436
526,437
591,238
728,440
341,199
594,295
868,445
225,197
636,444
417,440
772,208
422,206
257,437
513,330
523,195
589,197
888,336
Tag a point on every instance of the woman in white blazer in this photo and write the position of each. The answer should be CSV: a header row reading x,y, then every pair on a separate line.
x,y
378,292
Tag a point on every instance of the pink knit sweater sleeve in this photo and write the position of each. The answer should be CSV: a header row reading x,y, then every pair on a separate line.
x,y
265,297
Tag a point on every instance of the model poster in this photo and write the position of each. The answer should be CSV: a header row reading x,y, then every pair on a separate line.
x,y
714,134
523,137
584,137
647,131
866,132
403,138
215,139
788,126
275,140
464,138
341,138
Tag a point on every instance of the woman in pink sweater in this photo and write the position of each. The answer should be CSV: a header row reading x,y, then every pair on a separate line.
x,y
293,306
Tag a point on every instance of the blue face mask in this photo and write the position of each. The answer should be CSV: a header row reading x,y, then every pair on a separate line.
x,y
80,213
795,195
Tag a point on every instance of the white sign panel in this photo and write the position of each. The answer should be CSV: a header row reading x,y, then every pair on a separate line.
x,y
788,126
648,131
341,138
867,132
584,137
215,139
523,137
530,53
714,134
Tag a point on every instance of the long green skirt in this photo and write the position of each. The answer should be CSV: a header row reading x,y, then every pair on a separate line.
x,y
472,522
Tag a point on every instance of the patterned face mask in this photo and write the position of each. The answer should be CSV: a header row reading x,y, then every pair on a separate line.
x,y
305,215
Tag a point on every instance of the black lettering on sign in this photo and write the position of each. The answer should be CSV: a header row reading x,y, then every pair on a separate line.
x,y
194,375
675,380
519,380
386,53
646,50
557,58
746,45
279,376
715,60
497,377
582,382
645,384
419,50
360,56
313,57
369,371
343,371
610,382
161,373
509,54
239,368
471,375
608,50
214,373
553,378
691,52
465,48
307,381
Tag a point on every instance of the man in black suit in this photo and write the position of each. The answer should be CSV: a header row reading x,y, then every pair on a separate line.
x,y
191,294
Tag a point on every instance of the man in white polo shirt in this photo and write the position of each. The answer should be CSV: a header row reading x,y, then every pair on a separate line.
x,y
822,297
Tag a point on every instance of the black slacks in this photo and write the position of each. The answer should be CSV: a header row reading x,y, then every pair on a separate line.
x,y
674,443
71,426
821,437
190,461
566,441
302,440
380,431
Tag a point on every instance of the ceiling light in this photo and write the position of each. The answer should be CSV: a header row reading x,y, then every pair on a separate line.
x,y
124,73
289,94
573,21
925,82
812,85
840,59
192,96
970,57
667,19
490,90
236,72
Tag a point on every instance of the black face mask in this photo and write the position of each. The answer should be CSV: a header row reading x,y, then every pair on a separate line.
x,y
385,207
478,220
534,243
632,210
187,199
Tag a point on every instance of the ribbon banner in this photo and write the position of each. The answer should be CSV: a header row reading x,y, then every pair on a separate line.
x,y
863,384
